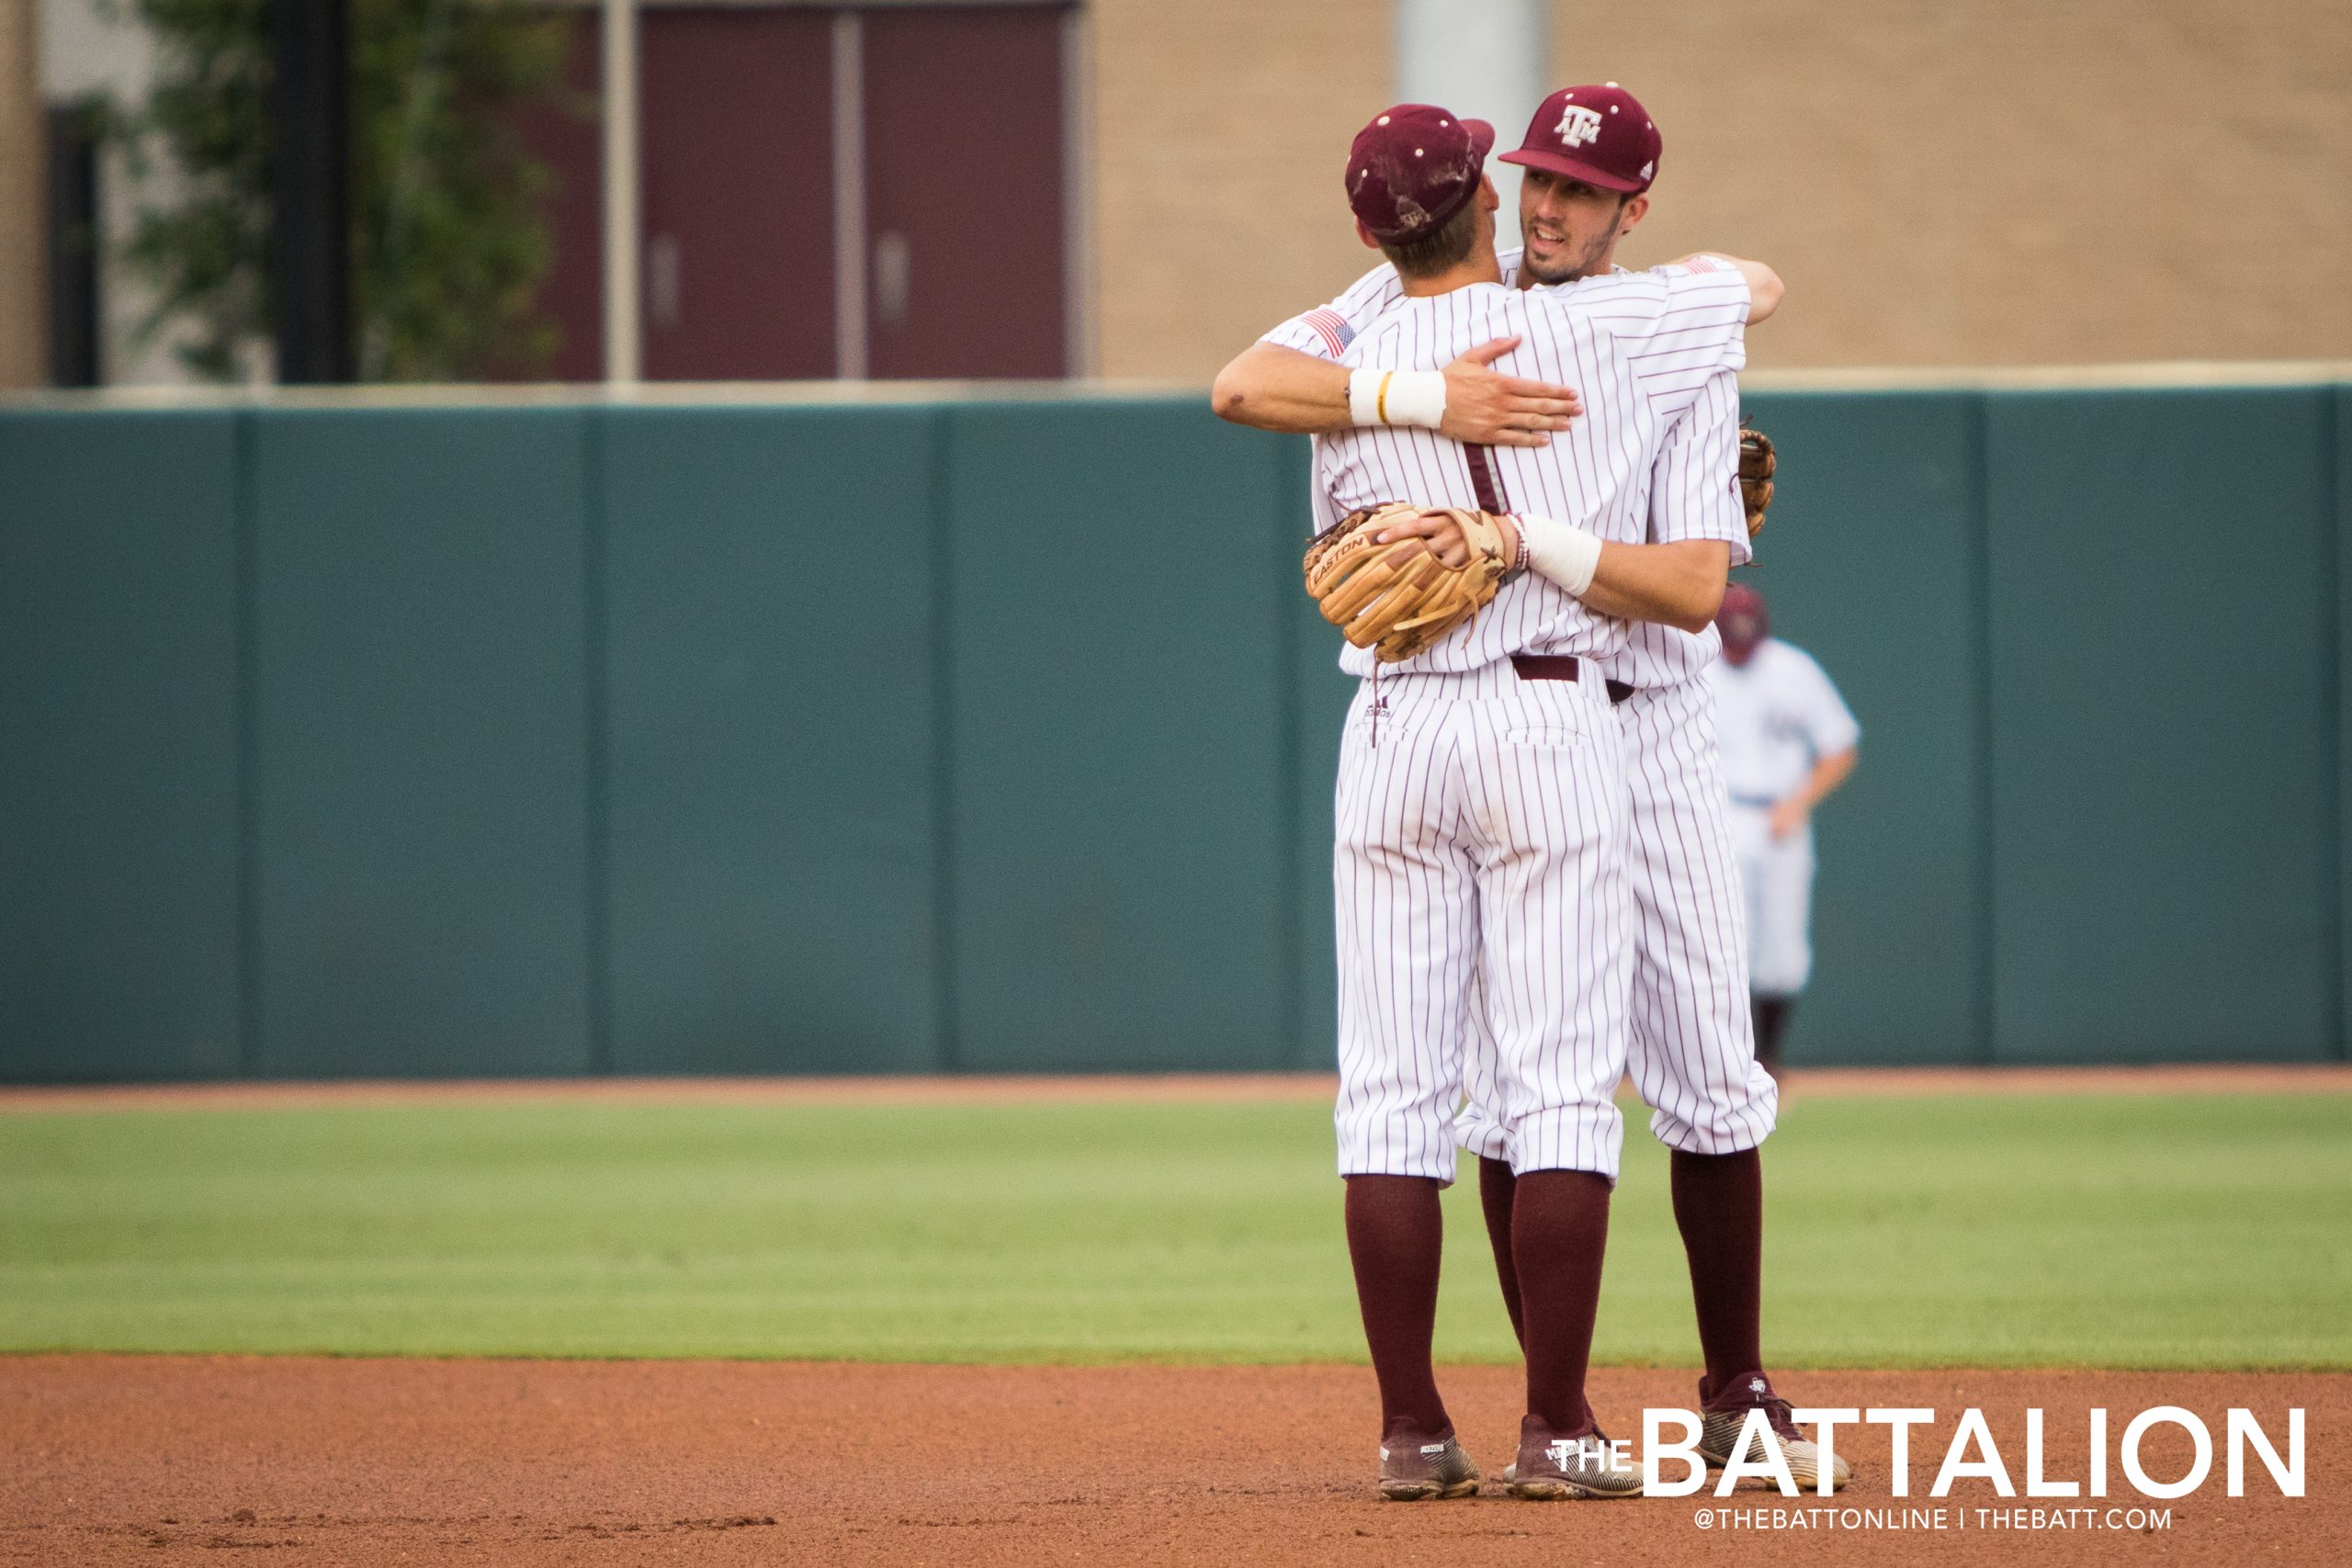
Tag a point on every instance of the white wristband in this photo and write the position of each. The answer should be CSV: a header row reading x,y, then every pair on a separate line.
x,y
1396,397
1561,551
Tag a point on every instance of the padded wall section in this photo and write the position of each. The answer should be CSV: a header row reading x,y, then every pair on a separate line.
x,y
1115,700
428,743
2341,436
421,718
2162,575
1870,562
118,865
772,780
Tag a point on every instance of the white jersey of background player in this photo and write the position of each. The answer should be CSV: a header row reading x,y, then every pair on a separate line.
x,y
1788,740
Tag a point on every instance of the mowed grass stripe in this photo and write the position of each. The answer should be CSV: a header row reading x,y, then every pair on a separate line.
x,y
2114,1231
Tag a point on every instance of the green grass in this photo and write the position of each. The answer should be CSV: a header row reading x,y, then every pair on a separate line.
x,y
2172,1232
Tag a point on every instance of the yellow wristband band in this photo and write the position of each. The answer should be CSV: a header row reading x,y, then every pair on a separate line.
x,y
1397,398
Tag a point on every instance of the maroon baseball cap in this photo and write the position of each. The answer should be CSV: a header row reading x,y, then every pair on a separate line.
x,y
1600,135
1413,167
1743,620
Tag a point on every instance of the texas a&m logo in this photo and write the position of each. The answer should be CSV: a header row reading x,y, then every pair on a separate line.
x,y
1578,124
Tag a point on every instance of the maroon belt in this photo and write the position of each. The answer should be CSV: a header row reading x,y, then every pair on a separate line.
x,y
1562,667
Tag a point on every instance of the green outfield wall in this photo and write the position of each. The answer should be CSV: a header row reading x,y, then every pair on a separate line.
x,y
994,734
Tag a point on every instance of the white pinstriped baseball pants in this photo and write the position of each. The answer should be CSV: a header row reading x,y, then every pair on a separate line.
x,y
1692,1052
1778,876
1480,848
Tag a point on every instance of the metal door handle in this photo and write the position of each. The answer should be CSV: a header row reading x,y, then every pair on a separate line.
x,y
892,264
661,280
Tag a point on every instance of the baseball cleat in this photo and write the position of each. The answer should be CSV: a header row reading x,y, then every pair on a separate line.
x,y
1413,1470
1723,1414
1551,1469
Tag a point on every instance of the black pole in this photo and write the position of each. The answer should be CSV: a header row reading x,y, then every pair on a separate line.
x,y
311,241
73,245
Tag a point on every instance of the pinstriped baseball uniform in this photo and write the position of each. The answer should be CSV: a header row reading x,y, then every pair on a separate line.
x,y
1654,654
1693,1054
1692,1049
1481,817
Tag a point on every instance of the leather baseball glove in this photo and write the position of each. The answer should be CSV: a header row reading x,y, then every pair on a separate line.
x,y
1756,465
1398,599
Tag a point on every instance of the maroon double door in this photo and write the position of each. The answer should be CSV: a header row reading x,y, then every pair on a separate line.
x,y
878,191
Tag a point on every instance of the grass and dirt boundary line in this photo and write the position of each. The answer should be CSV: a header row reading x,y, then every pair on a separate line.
x,y
2331,1077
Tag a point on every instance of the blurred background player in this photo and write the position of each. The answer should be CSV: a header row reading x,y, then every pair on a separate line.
x,y
1789,741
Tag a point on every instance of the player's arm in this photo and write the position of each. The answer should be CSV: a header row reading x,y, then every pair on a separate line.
x,y
1829,773
1678,584
1829,728
1697,526
1269,387
1764,285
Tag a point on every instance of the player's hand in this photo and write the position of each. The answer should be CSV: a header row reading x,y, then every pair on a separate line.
x,y
1788,816
1487,408
1442,533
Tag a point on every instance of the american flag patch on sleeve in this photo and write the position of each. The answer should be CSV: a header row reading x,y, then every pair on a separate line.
x,y
1332,328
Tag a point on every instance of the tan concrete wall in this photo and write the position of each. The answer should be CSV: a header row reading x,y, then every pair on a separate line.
x,y
1942,181
2006,182
23,319
1221,128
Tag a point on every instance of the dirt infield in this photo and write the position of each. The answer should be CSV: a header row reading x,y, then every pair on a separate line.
x,y
158,1460
1191,1088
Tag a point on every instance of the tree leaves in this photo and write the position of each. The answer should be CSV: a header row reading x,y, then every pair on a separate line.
x,y
448,241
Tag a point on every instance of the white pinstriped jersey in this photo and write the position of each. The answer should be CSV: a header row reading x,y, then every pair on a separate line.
x,y
1645,346
1693,491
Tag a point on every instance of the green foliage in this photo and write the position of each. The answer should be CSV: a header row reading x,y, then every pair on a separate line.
x,y
206,254
2190,1231
447,245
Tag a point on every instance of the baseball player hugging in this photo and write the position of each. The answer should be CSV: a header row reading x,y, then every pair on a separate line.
x,y
1535,881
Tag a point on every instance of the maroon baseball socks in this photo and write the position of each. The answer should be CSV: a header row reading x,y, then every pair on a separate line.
x,y
1549,1231
1395,1240
1559,1229
1719,1207
1495,1185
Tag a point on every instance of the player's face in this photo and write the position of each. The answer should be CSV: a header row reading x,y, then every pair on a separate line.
x,y
1571,228
1743,630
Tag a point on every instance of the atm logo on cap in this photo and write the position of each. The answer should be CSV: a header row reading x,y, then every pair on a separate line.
x,y
1578,124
